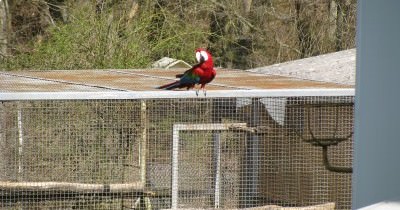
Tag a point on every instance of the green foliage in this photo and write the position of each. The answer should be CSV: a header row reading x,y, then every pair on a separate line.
x,y
115,34
104,40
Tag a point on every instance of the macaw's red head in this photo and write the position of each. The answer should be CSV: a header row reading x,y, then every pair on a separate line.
x,y
204,57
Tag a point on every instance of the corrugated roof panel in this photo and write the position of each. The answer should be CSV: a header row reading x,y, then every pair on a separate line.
x,y
142,80
338,67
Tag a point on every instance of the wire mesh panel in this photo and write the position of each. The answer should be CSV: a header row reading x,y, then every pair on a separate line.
x,y
54,153
205,152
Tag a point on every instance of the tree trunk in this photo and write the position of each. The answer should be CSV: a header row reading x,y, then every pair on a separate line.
x,y
303,29
47,18
333,23
4,28
342,18
100,4
134,10
247,6
245,40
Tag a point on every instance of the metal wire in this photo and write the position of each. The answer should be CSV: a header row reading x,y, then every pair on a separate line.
x,y
234,152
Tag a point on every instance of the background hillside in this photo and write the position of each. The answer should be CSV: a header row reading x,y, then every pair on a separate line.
x,y
81,34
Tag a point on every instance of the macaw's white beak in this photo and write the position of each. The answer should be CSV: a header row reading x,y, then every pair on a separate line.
x,y
201,56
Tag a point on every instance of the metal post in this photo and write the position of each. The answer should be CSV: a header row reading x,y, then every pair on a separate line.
x,y
175,155
376,125
217,168
20,142
3,142
143,146
251,173
251,160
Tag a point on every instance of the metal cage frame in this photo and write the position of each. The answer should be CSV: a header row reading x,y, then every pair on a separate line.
x,y
143,95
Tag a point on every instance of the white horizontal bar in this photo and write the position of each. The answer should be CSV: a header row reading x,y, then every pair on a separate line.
x,y
207,126
14,96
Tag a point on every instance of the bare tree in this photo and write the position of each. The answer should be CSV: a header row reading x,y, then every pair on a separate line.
x,y
338,16
240,33
342,22
333,20
4,27
303,28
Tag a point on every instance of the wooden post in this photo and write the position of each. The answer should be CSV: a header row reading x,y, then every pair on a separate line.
x,y
143,150
142,202
143,142
3,143
20,142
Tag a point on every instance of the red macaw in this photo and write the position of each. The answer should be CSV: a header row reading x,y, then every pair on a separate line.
x,y
201,73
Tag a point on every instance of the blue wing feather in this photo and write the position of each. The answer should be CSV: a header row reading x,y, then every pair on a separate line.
x,y
190,77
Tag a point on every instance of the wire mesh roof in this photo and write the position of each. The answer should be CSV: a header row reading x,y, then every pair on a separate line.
x,y
144,80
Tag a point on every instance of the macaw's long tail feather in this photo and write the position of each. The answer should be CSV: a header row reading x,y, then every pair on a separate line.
x,y
170,86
